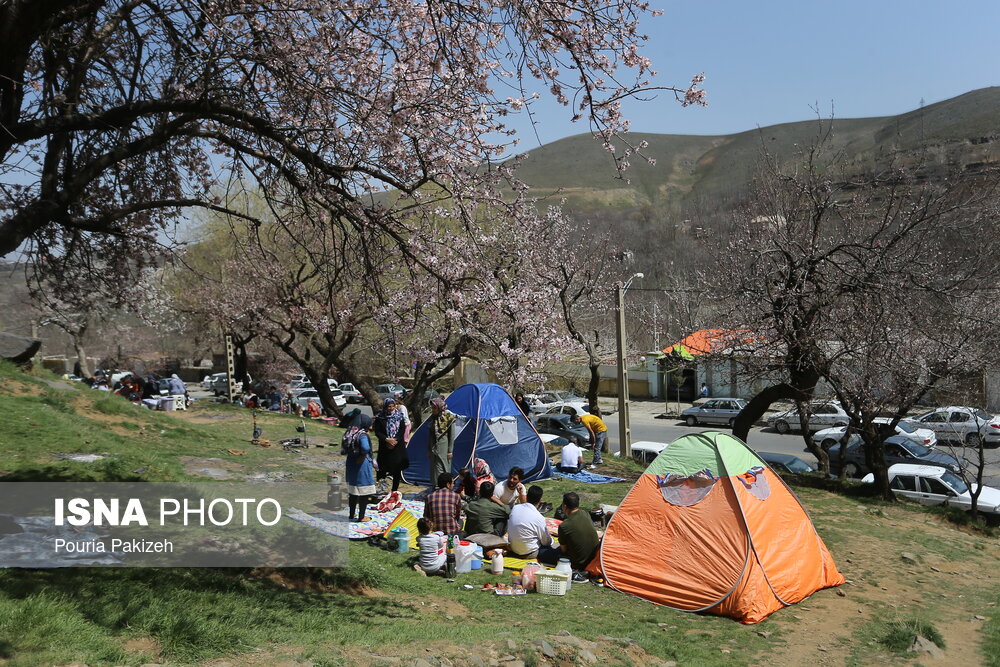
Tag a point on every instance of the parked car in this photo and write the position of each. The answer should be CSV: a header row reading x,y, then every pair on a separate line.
x,y
575,408
821,415
297,381
549,399
932,485
390,390
714,411
560,424
644,451
552,440
968,426
220,386
209,382
785,463
304,397
898,449
829,437
352,394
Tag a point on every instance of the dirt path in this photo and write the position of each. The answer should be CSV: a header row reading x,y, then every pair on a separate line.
x,y
911,577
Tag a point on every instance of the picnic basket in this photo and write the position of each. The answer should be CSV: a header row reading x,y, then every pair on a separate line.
x,y
551,582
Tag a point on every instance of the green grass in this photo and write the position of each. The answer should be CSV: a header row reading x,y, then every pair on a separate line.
x,y
194,615
898,635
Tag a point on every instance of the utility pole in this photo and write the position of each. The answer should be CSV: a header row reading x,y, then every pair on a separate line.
x,y
624,430
230,369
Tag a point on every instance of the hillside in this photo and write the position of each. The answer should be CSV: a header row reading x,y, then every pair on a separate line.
x,y
960,132
909,571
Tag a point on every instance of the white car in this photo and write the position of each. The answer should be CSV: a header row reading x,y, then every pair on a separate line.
x,y
829,437
568,408
644,451
969,426
822,415
351,393
307,395
932,485
549,399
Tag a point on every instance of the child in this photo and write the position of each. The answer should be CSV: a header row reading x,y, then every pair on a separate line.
x,y
432,547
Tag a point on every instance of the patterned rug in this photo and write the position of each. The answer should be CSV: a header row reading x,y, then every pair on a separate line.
x,y
336,523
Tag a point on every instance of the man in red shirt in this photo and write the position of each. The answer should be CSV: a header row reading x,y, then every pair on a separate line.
x,y
443,507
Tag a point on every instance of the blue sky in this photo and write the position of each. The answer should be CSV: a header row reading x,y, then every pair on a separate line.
x,y
771,61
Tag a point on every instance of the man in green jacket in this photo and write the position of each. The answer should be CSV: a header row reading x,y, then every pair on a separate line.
x,y
483,516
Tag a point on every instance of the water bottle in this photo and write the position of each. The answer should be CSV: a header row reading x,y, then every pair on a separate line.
x,y
496,562
450,558
564,566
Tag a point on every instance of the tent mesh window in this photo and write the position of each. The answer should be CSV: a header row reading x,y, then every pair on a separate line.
x,y
504,429
685,491
755,482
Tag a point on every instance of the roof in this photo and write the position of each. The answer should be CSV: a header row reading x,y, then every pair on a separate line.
x,y
710,341
914,469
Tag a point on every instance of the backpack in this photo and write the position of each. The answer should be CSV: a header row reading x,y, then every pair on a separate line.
x,y
351,445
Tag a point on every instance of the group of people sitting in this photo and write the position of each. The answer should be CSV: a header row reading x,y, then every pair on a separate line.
x,y
504,517
143,390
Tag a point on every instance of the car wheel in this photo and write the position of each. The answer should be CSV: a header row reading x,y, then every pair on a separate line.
x,y
973,440
851,470
782,427
732,422
691,420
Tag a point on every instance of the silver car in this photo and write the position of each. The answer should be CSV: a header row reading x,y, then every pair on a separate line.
x,y
968,426
821,415
721,411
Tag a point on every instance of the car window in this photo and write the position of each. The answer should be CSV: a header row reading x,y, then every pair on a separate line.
x,y
959,417
725,405
709,405
824,410
982,416
934,417
955,482
903,483
931,485
892,449
917,450
905,428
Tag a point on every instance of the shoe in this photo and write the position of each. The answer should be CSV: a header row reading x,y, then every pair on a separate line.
x,y
580,577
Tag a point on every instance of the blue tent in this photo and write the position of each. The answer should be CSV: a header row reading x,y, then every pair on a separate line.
x,y
489,427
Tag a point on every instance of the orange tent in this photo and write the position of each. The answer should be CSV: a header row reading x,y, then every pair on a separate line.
x,y
710,528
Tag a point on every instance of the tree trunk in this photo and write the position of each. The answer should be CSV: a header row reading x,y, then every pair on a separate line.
x,y
875,459
595,381
318,376
801,390
81,355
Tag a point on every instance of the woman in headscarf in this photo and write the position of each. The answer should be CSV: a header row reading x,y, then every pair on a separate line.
x,y
359,469
482,473
390,431
441,441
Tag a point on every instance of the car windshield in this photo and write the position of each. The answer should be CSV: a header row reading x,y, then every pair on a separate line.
x,y
798,466
983,416
336,392
955,482
905,428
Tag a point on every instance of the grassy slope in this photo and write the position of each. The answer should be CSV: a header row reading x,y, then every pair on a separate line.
x,y
707,167
191,615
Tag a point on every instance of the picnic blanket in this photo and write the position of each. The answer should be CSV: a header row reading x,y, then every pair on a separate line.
x,y
336,523
588,477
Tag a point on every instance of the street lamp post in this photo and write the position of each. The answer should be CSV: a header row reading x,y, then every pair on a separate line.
x,y
624,431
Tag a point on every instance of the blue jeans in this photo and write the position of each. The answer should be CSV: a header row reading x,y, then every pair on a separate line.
x,y
599,446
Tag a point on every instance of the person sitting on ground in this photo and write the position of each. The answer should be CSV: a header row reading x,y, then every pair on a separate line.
x,y
512,490
526,530
578,539
432,548
443,507
312,410
465,485
598,432
483,516
571,458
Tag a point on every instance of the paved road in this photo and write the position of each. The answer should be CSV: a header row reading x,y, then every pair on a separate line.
x,y
647,427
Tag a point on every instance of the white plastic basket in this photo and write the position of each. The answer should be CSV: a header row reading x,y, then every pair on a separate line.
x,y
551,582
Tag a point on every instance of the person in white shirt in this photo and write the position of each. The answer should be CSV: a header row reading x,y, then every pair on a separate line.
x,y
512,490
526,529
432,549
571,458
